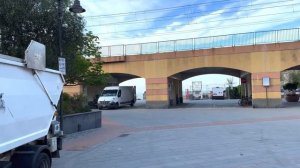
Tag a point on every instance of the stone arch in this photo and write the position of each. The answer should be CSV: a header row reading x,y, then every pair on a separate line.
x,y
116,78
188,73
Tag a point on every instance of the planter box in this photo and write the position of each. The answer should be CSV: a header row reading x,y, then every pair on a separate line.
x,y
292,98
81,121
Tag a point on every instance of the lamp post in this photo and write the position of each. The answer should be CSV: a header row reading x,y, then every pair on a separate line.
x,y
76,8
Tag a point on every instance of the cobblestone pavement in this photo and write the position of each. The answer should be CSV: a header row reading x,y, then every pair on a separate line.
x,y
189,138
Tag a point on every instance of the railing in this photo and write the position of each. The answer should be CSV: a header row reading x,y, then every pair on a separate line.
x,y
231,40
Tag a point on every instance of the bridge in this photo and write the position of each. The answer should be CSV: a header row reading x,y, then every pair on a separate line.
x,y
165,64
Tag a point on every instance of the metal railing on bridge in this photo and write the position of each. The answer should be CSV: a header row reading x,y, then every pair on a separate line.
x,y
230,40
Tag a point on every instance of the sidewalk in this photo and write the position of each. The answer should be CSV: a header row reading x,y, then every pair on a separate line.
x,y
227,138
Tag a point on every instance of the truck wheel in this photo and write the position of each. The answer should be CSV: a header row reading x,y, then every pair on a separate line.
x,y
43,161
34,156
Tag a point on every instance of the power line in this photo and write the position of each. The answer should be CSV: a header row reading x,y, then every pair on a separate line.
x,y
160,9
135,30
196,23
188,14
209,28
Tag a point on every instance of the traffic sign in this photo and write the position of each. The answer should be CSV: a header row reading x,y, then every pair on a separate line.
x,y
62,65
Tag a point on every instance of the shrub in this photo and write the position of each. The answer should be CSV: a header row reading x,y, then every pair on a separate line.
x,y
290,86
234,92
74,104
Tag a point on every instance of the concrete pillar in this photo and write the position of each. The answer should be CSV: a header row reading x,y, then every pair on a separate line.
x,y
246,87
262,97
172,91
175,91
163,92
180,92
157,93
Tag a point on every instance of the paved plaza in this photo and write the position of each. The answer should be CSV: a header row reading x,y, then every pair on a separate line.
x,y
223,137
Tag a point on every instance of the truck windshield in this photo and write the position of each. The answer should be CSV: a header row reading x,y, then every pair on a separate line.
x,y
109,92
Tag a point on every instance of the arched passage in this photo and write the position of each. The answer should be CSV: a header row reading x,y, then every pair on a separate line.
x,y
123,79
169,90
198,91
216,71
140,86
290,75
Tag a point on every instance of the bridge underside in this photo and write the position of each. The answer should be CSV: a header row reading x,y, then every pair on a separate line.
x,y
293,68
164,72
117,78
204,71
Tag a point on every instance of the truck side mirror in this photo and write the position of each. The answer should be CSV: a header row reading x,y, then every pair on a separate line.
x,y
119,93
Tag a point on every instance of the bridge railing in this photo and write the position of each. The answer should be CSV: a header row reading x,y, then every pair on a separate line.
x,y
230,40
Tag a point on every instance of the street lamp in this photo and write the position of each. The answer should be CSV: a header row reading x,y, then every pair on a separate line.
x,y
76,8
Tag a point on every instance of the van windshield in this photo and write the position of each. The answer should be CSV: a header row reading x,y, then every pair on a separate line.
x,y
109,92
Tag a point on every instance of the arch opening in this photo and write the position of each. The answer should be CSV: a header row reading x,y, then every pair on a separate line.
x,y
117,78
210,87
124,79
290,96
209,70
140,85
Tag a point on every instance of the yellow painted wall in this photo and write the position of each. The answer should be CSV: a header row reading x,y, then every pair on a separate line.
x,y
72,90
269,61
264,59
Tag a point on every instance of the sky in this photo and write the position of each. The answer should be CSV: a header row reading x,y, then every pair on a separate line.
x,y
139,21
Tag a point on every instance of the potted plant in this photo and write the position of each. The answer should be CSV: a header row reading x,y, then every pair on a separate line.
x,y
291,95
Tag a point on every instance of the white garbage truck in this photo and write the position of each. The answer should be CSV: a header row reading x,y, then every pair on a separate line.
x,y
116,96
30,136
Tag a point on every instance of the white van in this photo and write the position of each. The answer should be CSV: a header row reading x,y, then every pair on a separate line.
x,y
218,93
116,96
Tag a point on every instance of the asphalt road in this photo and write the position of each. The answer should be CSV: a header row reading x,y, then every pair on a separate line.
x,y
209,103
192,104
225,137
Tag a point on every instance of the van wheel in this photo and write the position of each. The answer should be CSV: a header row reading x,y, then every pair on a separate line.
x,y
117,106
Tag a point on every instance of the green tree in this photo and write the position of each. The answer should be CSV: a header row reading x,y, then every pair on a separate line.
x,y
83,71
234,92
22,21
230,85
25,20
291,76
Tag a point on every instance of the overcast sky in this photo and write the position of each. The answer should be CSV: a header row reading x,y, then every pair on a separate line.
x,y
135,21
